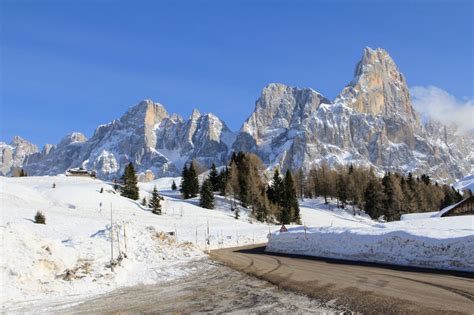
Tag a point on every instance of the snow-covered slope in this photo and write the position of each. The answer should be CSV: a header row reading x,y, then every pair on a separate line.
x,y
35,258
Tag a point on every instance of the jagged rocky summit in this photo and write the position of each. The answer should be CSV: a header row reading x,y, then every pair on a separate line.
x,y
371,122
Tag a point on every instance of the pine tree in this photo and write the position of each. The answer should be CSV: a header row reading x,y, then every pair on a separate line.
x,y
392,197
291,198
425,179
243,178
341,189
193,181
214,177
275,190
373,198
223,179
40,218
173,186
130,187
144,203
207,195
184,187
155,201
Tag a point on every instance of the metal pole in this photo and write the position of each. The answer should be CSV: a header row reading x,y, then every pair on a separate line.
x,y
125,239
111,239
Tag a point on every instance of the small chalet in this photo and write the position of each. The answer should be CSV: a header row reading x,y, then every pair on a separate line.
x,y
464,207
80,172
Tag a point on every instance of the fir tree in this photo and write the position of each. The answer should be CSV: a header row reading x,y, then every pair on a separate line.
x,y
130,186
275,190
237,213
193,181
207,196
173,186
392,197
341,188
373,198
144,203
184,187
155,201
214,177
222,181
290,199
40,218
425,179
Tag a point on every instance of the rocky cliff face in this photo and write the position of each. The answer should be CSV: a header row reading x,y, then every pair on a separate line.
x,y
15,154
372,122
145,135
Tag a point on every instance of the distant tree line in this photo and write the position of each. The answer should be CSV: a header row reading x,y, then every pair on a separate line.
x,y
389,196
244,181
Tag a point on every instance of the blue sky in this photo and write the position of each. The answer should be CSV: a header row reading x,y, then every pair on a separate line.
x,y
72,65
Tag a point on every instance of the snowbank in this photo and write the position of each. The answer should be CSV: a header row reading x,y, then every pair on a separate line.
x,y
440,243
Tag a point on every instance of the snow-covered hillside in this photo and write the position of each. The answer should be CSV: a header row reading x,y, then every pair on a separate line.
x,y
71,253
35,258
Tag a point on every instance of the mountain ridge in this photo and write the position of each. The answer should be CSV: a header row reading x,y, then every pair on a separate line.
x,y
371,122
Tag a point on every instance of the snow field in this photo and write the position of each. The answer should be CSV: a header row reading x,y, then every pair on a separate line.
x,y
75,242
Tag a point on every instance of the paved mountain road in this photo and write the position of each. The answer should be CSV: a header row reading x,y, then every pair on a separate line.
x,y
367,288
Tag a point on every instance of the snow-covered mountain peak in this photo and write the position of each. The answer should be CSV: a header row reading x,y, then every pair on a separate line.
x,y
74,137
195,114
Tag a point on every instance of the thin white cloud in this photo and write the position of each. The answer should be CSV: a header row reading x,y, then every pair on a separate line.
x,y
438,104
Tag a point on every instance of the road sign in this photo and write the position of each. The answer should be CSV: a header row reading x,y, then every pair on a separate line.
x,y
283,228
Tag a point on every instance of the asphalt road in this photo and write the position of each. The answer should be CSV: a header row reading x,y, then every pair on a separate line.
x,y
361,287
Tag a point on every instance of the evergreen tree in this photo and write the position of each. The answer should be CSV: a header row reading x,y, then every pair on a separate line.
x,y
130,186
173,186
155,201
40,218
193,181
144,203
392,197
214,177
184,187
373,198
275,190
207,195
425,179
237,213
222,181
289,203
341,189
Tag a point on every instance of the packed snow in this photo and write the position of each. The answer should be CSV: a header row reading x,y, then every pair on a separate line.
x,y
434,242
